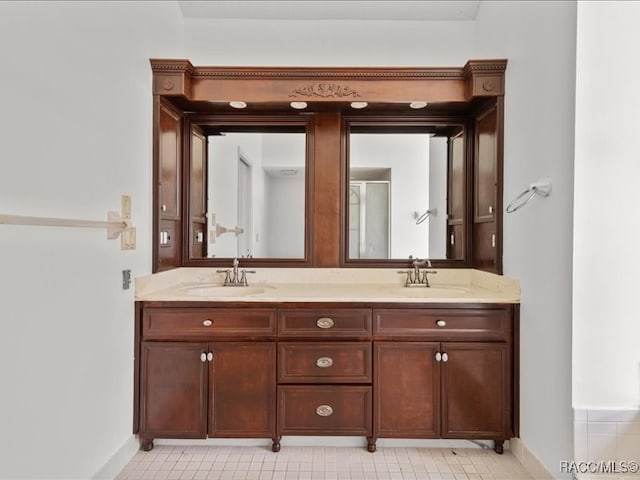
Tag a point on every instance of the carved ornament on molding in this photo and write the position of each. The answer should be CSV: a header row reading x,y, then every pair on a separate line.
x,y
324,90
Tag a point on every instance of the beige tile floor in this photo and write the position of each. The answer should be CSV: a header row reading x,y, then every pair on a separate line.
x,y
166,462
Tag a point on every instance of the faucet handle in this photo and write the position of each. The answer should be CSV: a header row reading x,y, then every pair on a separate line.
x,y
243,278
236,262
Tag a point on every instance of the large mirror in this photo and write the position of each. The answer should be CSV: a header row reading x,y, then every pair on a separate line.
x,y
404,184
256,191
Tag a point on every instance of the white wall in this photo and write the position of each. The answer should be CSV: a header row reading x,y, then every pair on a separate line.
x,y
76,134
538,39
606,356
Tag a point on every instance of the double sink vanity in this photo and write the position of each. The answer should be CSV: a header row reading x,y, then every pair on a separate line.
x,y
323,181
326,352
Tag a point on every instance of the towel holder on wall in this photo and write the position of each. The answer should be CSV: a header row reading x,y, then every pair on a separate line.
x,y
541,187
116,223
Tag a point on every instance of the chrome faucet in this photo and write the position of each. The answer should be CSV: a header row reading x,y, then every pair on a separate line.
x,y
416,277
235,278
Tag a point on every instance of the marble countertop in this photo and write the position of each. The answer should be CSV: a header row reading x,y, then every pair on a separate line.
x,y
328,285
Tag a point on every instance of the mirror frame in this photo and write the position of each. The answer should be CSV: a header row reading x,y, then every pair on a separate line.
x,y
182,91
202,121
409,122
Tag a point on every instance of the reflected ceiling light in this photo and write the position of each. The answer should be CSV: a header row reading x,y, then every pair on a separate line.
x,y
238,104
359,105
418,105
298,105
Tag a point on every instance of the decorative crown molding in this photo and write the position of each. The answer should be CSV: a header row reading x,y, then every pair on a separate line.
x,y
324,90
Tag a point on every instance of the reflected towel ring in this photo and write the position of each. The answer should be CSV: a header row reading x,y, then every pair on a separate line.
x,y
421,218
542,188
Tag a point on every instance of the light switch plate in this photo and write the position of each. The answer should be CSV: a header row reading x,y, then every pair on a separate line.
x,y
128,239
126,207
128,236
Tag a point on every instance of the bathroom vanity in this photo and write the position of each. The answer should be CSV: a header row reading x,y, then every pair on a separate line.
x,y
337,345
336,356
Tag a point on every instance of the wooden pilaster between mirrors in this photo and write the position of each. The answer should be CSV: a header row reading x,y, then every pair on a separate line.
x,y
326,190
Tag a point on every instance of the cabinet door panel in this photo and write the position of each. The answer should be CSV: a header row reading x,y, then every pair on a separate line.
x,y
243,388
407,390
170,128
476,390
173,390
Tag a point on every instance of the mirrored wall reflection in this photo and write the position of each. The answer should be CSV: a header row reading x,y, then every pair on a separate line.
x,y
397,195
256,194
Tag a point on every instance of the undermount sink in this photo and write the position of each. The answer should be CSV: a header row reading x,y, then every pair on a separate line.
x,y
216,291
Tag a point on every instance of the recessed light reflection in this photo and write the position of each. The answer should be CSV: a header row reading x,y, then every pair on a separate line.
x,y
298,105
418,105
359,105
236,104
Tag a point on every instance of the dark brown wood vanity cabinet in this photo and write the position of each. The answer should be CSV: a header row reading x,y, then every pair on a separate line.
x,y
444,373
324,372
376,371
206,372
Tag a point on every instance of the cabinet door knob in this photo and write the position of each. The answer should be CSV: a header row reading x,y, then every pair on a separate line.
x,y
324,410
325,322
441,323
207,323
209,356
445,357
324,362
163,208
203,357
438,357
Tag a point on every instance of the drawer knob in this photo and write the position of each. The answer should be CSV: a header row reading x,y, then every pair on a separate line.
x,y
203,357
441,323
325,322
324,410
324,362
207,323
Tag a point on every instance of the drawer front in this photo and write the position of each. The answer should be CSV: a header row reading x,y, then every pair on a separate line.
x,y
318,323
159,323
324,410
335,362
444,323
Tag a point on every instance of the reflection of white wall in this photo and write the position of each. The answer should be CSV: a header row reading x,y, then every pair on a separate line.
x,y
284,150
407,155
286,216
223,184
278,229
438,197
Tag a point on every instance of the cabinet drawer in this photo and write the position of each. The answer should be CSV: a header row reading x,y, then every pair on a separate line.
x,y
324,410
159,323
344,322
444,323
336,362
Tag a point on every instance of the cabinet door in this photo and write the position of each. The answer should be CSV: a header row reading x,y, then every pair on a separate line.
x,y
407,390
456,197
243,389
475,390
173,396
198,194
487,247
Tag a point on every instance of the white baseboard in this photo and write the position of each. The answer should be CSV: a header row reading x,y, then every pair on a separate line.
x,y
529,461
118,460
